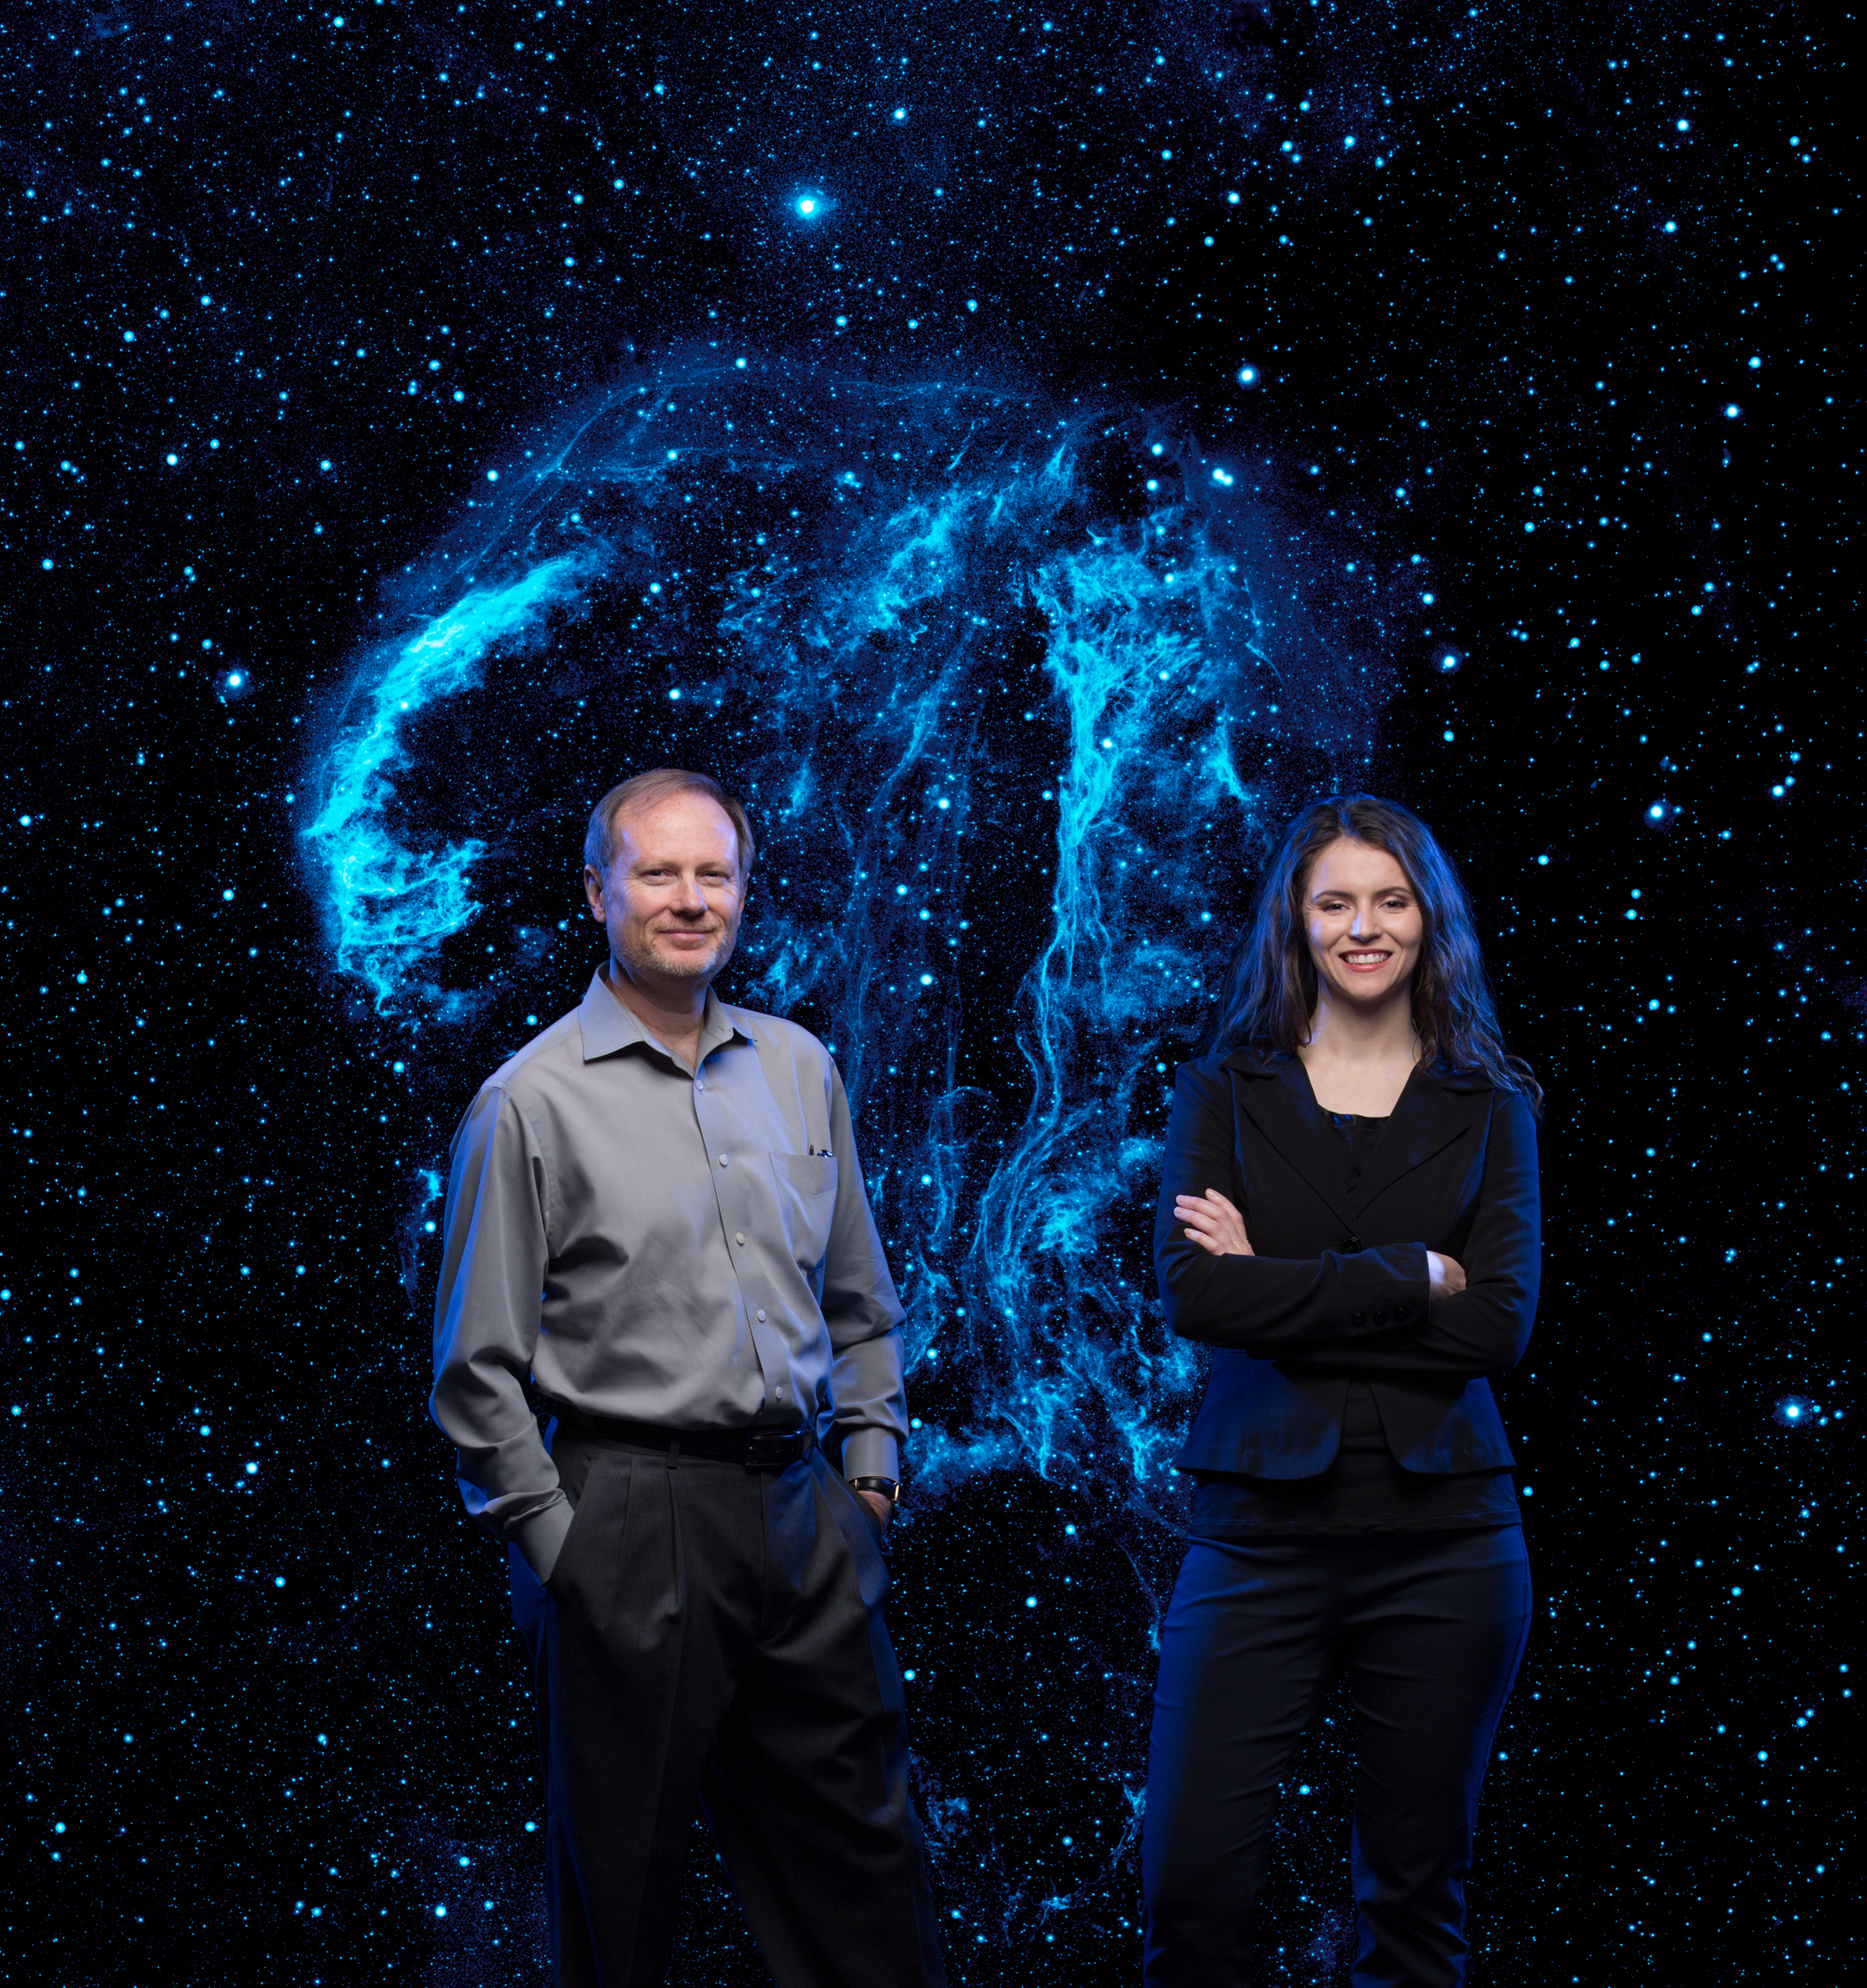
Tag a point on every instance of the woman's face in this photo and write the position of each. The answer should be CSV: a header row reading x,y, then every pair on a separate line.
x,y
1363,923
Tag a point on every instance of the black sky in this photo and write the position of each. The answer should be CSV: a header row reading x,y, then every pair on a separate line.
x,y
1563,323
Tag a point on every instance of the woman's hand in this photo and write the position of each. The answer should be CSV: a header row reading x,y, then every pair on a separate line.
x,y
1445,1278
1214,1224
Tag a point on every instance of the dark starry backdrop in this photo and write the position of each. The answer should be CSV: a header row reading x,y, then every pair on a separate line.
x,y
1522,312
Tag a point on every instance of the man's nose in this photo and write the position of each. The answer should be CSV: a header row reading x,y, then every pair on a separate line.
x,y
689,896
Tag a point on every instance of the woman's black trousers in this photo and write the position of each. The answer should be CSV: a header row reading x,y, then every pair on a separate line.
x,y
1428,1629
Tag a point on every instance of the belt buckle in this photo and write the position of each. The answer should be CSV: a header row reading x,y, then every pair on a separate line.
x,y
767,1449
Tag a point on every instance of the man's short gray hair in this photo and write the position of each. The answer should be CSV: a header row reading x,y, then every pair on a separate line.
x,y
645,789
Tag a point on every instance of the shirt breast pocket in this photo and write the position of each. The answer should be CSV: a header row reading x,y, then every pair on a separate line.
x,y
807,1203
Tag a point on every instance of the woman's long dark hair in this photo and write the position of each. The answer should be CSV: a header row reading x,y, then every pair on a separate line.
x,y
1269,993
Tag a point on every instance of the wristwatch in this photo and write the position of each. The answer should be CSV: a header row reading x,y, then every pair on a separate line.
x,y
886,1486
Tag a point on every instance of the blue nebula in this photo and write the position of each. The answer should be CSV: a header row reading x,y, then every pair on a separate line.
x,y
386,906
1012,735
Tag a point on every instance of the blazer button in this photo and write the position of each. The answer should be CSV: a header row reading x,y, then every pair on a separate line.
x,y
1357,1319
1380,1318
1350,1244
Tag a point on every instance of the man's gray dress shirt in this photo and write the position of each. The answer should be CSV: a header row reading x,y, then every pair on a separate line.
x,y
688,1248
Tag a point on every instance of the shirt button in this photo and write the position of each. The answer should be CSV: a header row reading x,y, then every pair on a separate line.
x,y
762,1318
739,1239
722,1159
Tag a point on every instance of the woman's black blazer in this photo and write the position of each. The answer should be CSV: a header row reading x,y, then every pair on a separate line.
x,y
1338,1285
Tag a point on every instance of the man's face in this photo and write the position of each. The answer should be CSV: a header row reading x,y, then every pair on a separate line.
x,y
671,900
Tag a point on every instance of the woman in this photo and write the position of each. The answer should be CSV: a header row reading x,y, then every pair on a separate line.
x,y
1348,1217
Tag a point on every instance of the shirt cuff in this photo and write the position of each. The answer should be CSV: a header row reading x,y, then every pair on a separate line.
x,y
540,1535
871,1453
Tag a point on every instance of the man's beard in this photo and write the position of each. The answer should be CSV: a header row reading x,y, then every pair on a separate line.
x,y
640,958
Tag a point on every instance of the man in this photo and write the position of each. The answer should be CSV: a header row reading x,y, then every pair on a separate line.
x,y
679,1180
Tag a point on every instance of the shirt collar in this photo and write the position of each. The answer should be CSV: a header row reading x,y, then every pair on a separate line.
x,y
609,1025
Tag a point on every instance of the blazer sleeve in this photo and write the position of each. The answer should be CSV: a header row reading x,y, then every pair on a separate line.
x,y
1485,1328
1273,1307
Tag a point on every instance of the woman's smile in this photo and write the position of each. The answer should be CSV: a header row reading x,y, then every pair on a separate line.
x,y
1364,921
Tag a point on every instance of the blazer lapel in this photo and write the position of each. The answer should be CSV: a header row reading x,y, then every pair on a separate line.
x,y
1434,1111
1277,1099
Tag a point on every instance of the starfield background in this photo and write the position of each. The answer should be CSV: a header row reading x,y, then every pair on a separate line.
x,y
1026,453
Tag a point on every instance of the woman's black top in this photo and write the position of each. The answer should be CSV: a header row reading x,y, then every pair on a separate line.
x,y
1364,1490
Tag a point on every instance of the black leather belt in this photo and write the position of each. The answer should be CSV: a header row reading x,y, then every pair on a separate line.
x,y
756,1448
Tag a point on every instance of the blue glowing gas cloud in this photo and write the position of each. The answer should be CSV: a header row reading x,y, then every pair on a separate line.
x,y
1010,733
388,907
